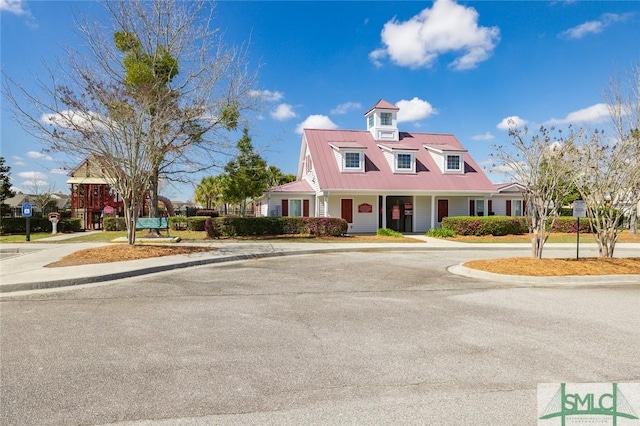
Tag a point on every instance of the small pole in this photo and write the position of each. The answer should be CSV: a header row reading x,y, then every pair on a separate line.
x,y
28,237
578,241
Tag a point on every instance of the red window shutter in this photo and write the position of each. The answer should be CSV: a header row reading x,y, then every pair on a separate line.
x,y
285,207
472,207
305,208
508,207
490,206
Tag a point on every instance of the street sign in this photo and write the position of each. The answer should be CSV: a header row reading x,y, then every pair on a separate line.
x,y
579,208
27,210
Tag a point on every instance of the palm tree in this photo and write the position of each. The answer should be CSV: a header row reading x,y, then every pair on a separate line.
x,y
209,191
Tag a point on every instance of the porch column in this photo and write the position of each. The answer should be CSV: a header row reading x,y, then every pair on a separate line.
x,y
326,206
433,212
384,211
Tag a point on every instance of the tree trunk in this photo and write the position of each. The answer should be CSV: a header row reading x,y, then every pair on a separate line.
x,y
633,219
153,196
130,215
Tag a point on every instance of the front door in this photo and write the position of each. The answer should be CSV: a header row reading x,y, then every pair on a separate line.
x,y
443,209
400,213
346,209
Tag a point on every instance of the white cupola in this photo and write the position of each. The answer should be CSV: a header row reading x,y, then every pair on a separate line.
x,y
382,121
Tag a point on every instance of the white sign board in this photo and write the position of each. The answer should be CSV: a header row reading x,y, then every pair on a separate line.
x,y
579,208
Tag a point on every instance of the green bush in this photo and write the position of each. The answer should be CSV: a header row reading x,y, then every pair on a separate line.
x,y
489,225
570,225
388,232
441,233
115,224
18,225
196,223
178,223
258,226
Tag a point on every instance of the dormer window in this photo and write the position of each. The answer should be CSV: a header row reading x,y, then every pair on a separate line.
x,y
349,156
386,119
352,160
454,163
404,161
370,121
401,158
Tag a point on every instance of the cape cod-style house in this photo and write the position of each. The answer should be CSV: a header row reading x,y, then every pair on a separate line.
x,y
385,178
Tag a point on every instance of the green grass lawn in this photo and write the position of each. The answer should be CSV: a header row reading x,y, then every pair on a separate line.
x,y
34,236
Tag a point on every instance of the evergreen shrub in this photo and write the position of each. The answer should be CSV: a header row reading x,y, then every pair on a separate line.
x,y
259,226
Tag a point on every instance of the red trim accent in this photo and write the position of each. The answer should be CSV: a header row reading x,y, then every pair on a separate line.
x,y
472,207
305,208
285,207
508,207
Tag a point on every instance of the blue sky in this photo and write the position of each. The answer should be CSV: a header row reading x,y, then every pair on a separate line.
x,y
452,67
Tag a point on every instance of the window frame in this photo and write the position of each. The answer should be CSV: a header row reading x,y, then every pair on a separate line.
x,y
345,162
446,163
384,117
291,208
514,203
370,121
479,204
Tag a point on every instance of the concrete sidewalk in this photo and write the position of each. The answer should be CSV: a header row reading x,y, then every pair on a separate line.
x,y
23,265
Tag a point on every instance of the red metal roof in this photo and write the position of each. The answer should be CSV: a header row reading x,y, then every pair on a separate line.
x,y
379,176
382,104
297,186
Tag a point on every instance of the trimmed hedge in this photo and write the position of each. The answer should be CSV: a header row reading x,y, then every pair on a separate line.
x,y
570,225
486,225
115,224
506,225
441,233
258,226
182,223
18,225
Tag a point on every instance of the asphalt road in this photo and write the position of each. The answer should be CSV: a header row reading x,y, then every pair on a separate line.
x,y
349,338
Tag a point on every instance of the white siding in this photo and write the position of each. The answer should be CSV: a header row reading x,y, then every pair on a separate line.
x,y
422,213
389,157
438,158
458,206
362,222
338,158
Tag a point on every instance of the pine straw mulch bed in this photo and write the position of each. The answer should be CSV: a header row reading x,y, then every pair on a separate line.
x,y
558,267
124,252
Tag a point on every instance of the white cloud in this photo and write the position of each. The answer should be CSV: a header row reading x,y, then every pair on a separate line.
x,y
59,171
73,120
39,156
346,107
486,137
511,122
316,122
13,6
414,110
593,114
445,28
594,27
283,112
32,175
267,95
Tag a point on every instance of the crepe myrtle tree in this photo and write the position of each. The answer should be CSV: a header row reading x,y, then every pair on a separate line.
x,y
539,163
609,164
150,94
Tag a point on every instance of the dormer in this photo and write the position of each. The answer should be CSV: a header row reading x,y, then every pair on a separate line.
x,y
382,121
449,159
401,158
349,156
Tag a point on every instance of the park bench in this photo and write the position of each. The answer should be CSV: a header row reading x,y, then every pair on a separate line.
x,y
153,223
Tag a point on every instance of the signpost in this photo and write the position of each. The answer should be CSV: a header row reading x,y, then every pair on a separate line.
x,y
27,211
579,210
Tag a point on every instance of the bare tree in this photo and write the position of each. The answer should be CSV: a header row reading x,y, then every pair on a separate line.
x,y
136,122
609,180
538,162
42,195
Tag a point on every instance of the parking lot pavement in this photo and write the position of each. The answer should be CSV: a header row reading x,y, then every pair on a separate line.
x,y
328,338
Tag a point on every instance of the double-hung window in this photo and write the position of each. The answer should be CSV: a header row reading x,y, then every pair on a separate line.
x,y
516,207
385,119
295,208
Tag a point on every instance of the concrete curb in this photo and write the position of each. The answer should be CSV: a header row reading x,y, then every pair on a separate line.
x,y
573,280
172,264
